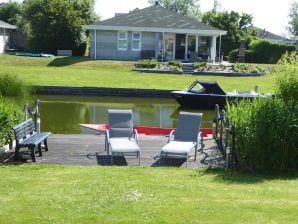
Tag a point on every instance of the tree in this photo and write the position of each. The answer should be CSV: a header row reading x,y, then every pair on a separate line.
x,y
293,24
12,12
234,23
57,24
184,7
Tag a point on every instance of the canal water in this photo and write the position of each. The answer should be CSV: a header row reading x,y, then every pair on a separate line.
x,y
63,114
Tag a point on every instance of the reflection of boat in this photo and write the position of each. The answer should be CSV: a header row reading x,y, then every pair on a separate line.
x,y
205,94
101,128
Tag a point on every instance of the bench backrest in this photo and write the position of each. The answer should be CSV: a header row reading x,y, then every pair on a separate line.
x,y
23,129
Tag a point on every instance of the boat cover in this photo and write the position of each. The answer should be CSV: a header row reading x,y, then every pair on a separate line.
x,y
211,87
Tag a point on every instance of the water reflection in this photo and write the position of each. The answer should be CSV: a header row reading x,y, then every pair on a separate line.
x,y
62,114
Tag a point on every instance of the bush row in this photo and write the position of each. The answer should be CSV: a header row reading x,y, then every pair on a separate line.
x,y
152,63
262,51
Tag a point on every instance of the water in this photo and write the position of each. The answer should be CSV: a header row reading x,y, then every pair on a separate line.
x,y
63,114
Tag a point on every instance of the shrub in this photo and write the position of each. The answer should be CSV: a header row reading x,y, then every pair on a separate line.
x,y
12,86
233,56
266,136
199,65
176,64
268,52
241,67
10,115
174,68
287,83
147,63
249,56
288,59
267,129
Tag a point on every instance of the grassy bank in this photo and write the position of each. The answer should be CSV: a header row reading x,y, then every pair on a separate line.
x,y
59,194
80,71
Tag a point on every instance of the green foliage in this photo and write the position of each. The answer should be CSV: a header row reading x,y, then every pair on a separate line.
x,y
288,59
199,65
262,51
177,64
234,23
184,7
293,23
246,68
266,135
233,56
249,56
147,63
10,12
56,24
287,83
10,115
267,129
268,52
13,86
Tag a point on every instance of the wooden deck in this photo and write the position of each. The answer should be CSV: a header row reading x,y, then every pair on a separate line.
x,y
89,150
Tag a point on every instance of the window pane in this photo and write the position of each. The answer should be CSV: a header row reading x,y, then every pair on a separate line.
x,y
122,44
136,44
136,36
122,35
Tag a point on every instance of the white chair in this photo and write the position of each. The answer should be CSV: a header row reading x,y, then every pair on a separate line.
x,y
121,139
183,142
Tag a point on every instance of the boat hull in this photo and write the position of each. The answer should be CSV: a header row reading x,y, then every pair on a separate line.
x,y
199,101
205,101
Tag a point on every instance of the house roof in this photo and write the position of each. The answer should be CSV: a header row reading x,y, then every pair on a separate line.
x,y
264,34
155,19
7,25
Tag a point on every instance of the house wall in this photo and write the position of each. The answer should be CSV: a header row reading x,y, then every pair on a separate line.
x,y
1,40
107,45
4,40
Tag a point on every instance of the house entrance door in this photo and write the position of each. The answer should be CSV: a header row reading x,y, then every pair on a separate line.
x,y
180,46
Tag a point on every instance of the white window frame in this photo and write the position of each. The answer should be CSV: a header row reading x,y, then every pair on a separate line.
x,y
122,39
136,39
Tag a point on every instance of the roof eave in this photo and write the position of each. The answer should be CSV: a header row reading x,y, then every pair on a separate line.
x,y
156,29
12,27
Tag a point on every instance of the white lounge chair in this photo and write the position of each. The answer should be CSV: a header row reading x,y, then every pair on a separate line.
x,y
183,142
121,139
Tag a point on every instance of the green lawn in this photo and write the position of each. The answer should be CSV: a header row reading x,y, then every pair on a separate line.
x,y
73,194
80,71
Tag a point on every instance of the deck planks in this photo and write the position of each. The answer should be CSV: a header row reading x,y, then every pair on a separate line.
x,y
86,150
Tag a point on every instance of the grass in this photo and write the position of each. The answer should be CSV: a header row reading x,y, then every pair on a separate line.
x,y
80,71
74,194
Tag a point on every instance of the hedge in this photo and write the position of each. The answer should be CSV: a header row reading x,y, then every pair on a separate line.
x,y
262,51
268,52
249,56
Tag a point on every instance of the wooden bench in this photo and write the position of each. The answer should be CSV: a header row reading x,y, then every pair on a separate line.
x,y
26,136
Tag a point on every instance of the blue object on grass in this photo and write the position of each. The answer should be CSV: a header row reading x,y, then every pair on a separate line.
x,y
35,55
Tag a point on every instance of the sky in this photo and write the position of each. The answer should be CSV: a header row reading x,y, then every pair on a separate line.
x,y
269,14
